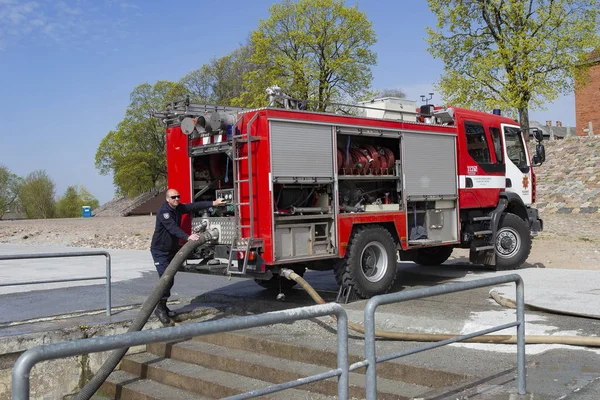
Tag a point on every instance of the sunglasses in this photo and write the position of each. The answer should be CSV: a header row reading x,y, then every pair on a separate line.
x,y
175,197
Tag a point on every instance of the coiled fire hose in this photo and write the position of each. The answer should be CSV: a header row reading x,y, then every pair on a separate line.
x,y
140,320
435,337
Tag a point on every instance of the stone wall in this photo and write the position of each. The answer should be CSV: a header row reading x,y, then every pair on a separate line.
x,y
569,180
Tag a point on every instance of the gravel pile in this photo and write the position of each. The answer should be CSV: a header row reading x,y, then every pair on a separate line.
x,y
133,233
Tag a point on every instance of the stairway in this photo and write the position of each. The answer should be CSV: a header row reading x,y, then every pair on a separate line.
x,y
226,364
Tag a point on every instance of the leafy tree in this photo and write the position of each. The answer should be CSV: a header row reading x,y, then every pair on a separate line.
x,y
135,152
221,80
9,184
36,195
69,205
511,54
317,50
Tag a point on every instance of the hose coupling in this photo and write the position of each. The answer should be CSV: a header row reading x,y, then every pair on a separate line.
x,y
212,234
286,273
201,228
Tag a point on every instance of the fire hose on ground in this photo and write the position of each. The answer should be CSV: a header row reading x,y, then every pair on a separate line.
x,y
140,320
435,337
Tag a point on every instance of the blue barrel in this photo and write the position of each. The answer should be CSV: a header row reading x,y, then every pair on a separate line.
x,y
86,211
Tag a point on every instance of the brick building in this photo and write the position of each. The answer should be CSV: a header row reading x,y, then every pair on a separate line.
x,y
587,100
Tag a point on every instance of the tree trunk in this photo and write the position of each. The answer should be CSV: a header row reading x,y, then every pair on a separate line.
x,y
524,121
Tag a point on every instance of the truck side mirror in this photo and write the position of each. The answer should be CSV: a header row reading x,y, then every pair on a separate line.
x,y
540,154
538,135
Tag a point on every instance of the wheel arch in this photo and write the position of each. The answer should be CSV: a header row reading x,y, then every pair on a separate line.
x,y
390,226
515,205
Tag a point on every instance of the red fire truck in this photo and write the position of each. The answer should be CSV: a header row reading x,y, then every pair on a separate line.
x,y
353,191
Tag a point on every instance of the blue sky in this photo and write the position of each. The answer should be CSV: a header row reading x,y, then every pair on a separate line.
x,y
67,69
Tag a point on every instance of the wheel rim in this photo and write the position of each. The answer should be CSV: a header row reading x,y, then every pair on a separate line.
x,y
508,242
374,261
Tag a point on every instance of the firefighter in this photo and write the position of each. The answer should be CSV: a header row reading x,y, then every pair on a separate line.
x,y
165,241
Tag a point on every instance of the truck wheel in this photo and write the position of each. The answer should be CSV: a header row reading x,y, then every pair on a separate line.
x,y
433,255
370,264
277,280
513,242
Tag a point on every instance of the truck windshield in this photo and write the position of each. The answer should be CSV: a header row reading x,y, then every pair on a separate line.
x,y
515,150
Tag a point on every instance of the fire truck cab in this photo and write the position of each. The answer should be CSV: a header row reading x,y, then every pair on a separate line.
x,y
352,191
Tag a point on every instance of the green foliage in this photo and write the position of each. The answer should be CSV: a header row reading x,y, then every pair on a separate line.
x,y
221,81
9,186
135,152
69,205
313,49
36,195
511,54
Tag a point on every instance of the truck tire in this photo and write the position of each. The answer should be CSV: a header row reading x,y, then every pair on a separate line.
x,y
429,256
339,270
277,281
370,263
513,242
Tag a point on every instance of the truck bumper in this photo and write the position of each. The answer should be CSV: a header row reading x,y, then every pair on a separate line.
x,y
218,265
536,225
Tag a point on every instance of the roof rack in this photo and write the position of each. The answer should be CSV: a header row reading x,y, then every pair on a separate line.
x,y
176,111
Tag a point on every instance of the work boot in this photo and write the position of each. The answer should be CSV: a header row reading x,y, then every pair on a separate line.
x,y
170,312
162,312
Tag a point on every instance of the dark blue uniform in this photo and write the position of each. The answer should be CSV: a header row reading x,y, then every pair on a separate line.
x,y
165,241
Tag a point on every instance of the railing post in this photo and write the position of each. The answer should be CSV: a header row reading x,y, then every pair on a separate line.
x,y
342,355
21,372
521,336
371,372
108,286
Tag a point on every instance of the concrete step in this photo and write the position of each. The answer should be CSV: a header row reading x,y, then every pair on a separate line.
x,y
200,380
277,370
392,370
126,386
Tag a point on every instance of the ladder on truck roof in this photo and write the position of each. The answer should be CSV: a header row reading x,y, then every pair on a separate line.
x,y
241,243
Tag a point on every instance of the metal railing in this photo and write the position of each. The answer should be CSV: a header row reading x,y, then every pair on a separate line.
x,y
369,321
63,255
23,366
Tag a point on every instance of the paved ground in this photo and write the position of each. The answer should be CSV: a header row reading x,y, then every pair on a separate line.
x,y
553,371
